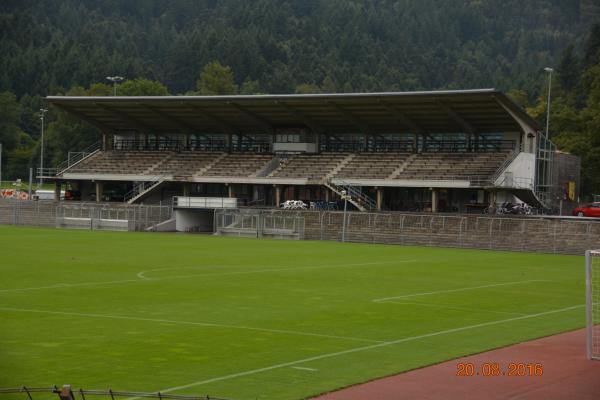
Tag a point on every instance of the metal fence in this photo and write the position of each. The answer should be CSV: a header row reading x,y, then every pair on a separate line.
x,y
84,215
526,233
66,393
259,223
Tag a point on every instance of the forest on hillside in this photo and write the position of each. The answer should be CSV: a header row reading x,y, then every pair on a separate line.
x,y
284,46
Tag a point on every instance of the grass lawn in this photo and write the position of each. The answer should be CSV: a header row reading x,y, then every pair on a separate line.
x,y
260,319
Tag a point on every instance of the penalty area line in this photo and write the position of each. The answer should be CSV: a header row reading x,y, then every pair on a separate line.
x,y
364,348
384,299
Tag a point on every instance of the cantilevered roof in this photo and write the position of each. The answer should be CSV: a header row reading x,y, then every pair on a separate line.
x,y
477,111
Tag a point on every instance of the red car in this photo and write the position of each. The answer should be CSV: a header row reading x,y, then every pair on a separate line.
x,y
588,210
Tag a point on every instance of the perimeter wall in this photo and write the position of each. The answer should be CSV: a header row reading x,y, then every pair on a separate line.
x,y
536,234
532,233
81,215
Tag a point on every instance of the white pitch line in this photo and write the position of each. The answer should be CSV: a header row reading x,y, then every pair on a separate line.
x,y
359,349
305,368
259,271
449,307
142,278
456,290
205,324
68,285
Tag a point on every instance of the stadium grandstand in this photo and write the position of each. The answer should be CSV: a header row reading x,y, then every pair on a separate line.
x,y
438,151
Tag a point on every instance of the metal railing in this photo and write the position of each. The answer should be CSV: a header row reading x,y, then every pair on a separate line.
x,y
205,202
82,215
74,157
511,157
67,393
356,196
141,187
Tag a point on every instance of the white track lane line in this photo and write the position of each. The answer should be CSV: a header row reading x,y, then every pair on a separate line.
x,y
456,290
204,324
142,278
364,348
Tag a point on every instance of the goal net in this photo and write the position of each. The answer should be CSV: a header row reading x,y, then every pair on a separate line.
x,y
592,263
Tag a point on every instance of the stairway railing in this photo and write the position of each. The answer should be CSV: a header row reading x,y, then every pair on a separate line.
x,y
359,199
143,187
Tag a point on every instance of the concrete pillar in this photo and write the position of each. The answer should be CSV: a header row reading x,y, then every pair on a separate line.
x,y
255,192
187,189
57,186
277,195
379,198
230,191
326,194
434,200
99,190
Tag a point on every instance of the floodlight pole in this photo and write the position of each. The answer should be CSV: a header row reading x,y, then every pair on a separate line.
x,y
549,71
42,112
345,198
115,80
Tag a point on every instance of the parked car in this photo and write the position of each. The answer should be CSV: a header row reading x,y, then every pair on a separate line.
x,y
588,210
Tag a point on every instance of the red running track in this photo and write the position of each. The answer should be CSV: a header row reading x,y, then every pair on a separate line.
x,y
567,374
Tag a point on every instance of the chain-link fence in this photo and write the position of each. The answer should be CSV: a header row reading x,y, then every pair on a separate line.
x,y
82,215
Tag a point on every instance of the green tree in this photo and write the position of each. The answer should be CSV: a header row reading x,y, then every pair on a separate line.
x,y
216,79
250,87
142,87
307,88
10,115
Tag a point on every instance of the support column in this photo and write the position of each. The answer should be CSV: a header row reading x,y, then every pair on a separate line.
x,y
230,191
277,195
187,189
379,198
434,200
99,190
326,194
255,192
57,186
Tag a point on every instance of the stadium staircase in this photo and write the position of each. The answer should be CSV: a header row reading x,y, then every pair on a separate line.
x,y
76,157
143,189
524,191
357,198
402,167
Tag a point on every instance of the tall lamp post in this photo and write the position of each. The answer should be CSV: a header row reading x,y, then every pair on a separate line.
x,y
43,111
549,71
115,80
344,197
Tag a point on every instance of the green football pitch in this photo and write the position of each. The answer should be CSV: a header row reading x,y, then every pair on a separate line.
x,y
260,319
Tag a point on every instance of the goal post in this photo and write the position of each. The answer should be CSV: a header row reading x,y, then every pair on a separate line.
x,y
592,283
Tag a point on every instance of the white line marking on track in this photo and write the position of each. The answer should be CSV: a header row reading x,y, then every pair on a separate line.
x,y
205,324
142,278
457,290
305,368
358,349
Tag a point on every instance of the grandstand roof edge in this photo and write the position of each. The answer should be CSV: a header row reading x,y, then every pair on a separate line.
x,y
442,100
278,96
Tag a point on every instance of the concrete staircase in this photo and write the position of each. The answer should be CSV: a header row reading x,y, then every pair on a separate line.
x,y
402,167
